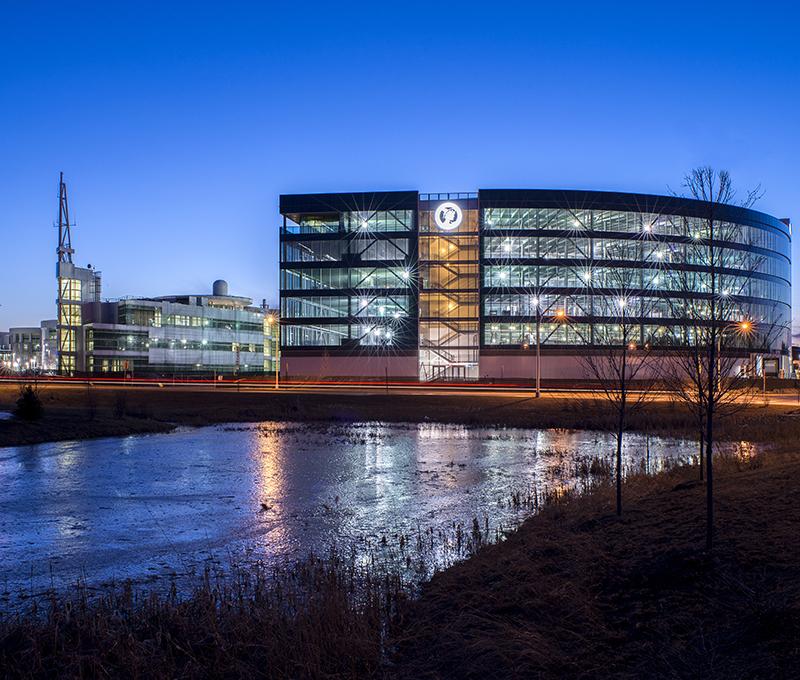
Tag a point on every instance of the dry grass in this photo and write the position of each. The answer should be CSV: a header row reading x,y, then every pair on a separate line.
x,y
578,592
321,619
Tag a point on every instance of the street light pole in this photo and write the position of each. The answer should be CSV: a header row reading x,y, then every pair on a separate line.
x,y
560,316
277,351
741,327
275,322
538,353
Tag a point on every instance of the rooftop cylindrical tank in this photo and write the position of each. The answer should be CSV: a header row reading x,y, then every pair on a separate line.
x,y
220,288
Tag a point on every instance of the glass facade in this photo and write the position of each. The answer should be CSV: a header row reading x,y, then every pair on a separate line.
x,y
449,284
181,336
76,285
664,266
349,278
451,276
69,319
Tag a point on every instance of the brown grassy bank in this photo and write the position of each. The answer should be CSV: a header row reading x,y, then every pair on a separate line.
x,y
578,592
71,413
307,623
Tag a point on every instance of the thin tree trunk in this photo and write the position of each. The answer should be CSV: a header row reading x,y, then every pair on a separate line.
x,y
620,429
713,379
621,423
709,476
702,440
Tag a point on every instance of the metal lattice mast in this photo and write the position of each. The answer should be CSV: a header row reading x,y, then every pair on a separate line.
x,y
65,250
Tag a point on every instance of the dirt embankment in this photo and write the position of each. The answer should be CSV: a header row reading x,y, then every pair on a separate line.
x,y
578,592
78,413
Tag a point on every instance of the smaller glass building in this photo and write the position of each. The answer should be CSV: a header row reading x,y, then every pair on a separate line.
x,y
178,336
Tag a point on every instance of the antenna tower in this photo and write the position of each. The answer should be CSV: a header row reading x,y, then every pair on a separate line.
x,y
65,249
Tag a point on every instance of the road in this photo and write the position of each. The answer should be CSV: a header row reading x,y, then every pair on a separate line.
x,y
508,390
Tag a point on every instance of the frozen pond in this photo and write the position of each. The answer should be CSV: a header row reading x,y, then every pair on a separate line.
x,y
143,506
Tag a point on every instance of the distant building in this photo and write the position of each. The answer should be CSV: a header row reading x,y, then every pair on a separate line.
x,y
5,352
49,330
177,335
26,348
30,348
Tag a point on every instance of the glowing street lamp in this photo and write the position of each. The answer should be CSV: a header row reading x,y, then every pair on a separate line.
x,y
743,327
560,316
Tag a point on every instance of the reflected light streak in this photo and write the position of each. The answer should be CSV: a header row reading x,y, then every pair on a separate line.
x,y
270,452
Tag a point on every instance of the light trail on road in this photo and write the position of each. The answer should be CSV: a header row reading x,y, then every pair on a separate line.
x,y
507,390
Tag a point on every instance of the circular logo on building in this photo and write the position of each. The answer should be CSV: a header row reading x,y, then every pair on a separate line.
x,y
448,216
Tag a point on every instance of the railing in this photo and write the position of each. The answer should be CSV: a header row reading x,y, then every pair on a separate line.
x,y
441,352
309,229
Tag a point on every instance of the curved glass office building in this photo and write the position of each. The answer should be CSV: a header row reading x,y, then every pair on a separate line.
x,y
461,286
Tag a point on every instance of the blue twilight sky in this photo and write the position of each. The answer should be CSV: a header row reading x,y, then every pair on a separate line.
x,y
179,124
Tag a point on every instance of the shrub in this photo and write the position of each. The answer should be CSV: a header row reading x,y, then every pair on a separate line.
x,y
29,406
120,405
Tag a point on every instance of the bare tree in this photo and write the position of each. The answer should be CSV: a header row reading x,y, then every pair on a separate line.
x,y
618,355
710,368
